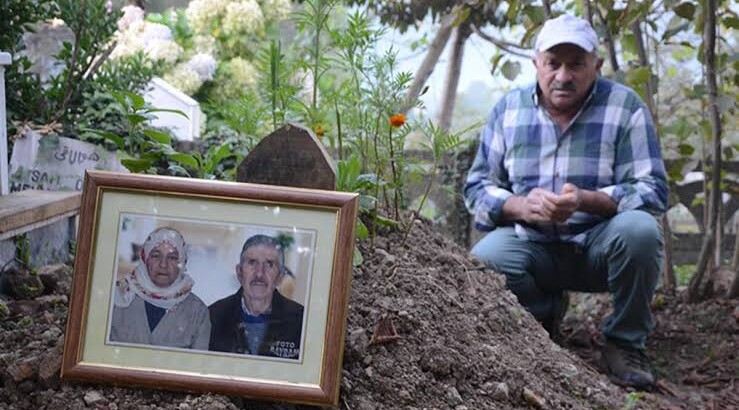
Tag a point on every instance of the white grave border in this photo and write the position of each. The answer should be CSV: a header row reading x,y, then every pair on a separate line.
x,y
161,94
4,184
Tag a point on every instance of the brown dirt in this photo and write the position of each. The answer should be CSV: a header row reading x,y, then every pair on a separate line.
x,y
464,343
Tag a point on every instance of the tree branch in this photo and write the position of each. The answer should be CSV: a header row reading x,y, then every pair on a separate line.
x,y
429,62
506,46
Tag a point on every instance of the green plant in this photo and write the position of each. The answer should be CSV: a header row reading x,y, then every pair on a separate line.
x,y
439,143
684,273
632,399
23,250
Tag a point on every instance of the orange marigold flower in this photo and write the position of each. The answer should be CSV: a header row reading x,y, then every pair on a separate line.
x,y
318,129
397,120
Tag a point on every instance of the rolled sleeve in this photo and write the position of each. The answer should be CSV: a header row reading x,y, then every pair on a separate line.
x,y
639,170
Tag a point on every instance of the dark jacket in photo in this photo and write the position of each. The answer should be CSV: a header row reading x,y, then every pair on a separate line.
x,y
284,327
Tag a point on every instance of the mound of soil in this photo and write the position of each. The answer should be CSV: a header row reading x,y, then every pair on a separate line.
x,y
428,328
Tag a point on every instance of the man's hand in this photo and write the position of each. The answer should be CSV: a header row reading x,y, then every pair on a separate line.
x,y
541,205
562,206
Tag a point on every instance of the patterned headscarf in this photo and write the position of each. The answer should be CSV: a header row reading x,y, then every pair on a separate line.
x,y
139,283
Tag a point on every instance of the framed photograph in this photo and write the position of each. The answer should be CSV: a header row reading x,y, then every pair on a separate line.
x,y
211,286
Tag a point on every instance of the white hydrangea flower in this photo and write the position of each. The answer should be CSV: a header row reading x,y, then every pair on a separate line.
x,y
204,44
237,76
154,39
131,14
184,79
243,73
204,64
276,10
243,17
166,50
202,14
154,31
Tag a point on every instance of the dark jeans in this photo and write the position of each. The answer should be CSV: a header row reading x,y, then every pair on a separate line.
x,y
622,255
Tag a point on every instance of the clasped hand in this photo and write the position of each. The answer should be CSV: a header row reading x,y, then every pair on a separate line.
x,y
546,206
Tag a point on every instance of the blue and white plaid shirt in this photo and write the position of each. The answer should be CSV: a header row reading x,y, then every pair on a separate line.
x,y
610,146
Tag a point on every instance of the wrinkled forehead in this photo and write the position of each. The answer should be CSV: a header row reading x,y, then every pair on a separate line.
x,y
262,251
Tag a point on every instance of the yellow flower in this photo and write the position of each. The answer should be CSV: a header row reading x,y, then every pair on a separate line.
x,y
318,129
397,120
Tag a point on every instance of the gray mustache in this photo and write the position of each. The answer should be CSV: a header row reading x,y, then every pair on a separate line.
x,y
568,86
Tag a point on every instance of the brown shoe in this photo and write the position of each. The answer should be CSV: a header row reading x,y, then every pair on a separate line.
x,y
628,366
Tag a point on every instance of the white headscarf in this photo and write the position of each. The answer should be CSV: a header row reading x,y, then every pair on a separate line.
x,y
139,283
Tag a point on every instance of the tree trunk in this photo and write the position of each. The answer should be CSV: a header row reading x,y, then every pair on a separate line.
x,y
547,9
669,282
588,11
429,61
709,47
668,273
734,289
610,45
461,33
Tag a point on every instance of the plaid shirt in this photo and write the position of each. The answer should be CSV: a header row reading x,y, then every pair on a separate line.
x,y
610,146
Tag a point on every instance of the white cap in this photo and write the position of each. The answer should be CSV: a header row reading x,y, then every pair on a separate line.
x,y
566,29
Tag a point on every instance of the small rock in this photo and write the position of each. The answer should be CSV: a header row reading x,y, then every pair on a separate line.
x,y
736,313
92,397
453,398
387,258
49,367
27,386
533,399
367,360
23,307
22,283
460,407
21,371
185,406
501,391
369,371
51,275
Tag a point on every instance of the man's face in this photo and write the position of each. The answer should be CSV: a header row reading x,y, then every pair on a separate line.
x,y
565,73
259,271
163,264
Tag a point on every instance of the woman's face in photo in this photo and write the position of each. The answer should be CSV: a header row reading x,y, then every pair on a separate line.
x,y
163,264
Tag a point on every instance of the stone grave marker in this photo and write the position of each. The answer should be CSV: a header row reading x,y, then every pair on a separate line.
x,y
56,163
290,156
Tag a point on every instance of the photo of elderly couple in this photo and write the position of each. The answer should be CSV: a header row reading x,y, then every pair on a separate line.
x,y
206,286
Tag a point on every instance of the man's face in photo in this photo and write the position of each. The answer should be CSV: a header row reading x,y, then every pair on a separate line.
x,y
259,271
163,264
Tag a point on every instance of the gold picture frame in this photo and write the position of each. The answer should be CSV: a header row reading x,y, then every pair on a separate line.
x,y
117,212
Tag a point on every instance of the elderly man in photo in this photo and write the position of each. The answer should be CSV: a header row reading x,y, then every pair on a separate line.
x,y
154,304
257,319
568,177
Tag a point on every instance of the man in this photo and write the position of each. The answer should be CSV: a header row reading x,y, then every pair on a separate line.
x,y
257,319
567,174
154,304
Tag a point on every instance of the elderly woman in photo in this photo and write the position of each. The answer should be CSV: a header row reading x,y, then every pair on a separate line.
x,y
154,304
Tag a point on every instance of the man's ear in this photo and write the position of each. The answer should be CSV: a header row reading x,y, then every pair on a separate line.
x,y
141,254
598,63
237,271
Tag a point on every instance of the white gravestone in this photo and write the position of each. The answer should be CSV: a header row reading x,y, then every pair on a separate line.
x,y
56,163
163,95
4,187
